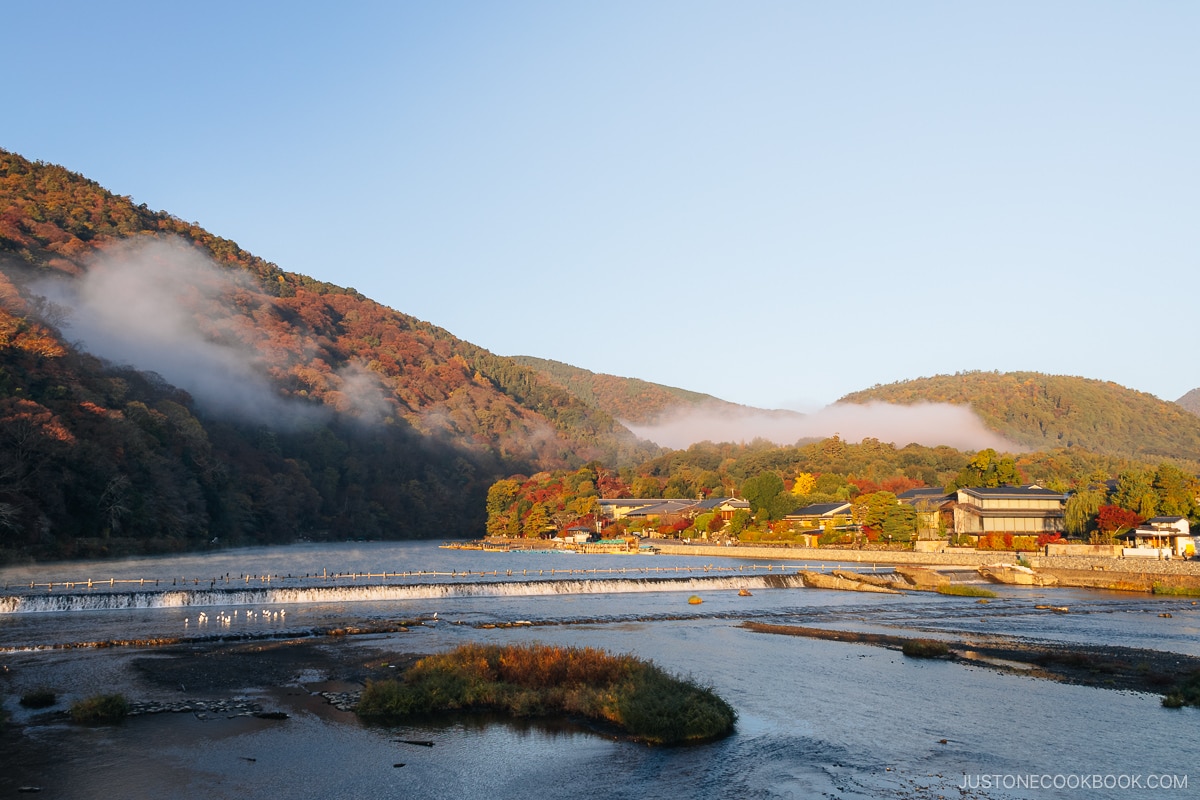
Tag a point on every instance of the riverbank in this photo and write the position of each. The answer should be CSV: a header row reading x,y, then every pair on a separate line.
x,y
950,557
1111,667
223,699
1080,572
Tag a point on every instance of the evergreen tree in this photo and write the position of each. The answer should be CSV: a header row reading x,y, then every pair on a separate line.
x,y
1135,492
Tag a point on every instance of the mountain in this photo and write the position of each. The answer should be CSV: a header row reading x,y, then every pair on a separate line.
x,y
161,388
1191,401
1045,412
628,399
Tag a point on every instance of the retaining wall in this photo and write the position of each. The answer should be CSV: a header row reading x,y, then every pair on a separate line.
x,y
1147,566
832,555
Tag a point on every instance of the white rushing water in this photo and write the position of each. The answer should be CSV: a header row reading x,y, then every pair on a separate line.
x,y
210,598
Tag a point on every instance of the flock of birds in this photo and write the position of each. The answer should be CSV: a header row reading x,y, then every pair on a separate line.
x,y
226,619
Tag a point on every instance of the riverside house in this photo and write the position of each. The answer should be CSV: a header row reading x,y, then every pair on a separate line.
x,y
621,507
816,515
935,511
1160,537
659,511
725,506
1020,510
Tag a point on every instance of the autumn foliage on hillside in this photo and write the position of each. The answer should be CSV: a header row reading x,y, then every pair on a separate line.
x,y
390,426
1049,412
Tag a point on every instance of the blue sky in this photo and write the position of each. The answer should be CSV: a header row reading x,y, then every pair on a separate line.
x,y
776,203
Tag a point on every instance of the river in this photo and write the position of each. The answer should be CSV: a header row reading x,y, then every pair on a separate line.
x,y
816,718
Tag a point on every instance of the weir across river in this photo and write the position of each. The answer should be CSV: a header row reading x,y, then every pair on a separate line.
x,y
331,578
562,584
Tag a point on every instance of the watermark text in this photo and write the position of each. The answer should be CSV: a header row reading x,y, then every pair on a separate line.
x,y
1150,782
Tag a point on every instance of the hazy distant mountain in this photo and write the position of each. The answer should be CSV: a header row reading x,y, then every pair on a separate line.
x,y
628,399
161,388
1051,411
1191,401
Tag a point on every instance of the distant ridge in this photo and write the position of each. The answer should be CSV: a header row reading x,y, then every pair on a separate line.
x,y
1191,401
631,400
1046,412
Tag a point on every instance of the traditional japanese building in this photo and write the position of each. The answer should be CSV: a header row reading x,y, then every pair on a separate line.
x,y
1021,510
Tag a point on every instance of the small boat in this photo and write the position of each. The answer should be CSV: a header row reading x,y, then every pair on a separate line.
x,y
744,593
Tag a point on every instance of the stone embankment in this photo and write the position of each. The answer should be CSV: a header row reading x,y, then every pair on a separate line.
x,y
903,579
832,555
1120,574
843,582
1092,572
1017,575
922,577
1149,566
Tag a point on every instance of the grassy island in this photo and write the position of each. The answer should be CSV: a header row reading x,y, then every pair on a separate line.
x,y
1185,693
100,708
925,648
635,696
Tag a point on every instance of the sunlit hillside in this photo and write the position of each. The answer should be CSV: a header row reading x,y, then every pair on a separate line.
x,y
1051,411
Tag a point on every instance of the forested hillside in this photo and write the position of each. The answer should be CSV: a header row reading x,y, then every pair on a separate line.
x,y
628,399
1046,412
272,407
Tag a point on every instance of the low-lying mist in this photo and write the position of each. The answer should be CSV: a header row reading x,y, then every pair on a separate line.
x,y
929,424
160,305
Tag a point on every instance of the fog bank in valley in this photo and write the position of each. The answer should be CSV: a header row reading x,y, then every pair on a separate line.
x,y
929,424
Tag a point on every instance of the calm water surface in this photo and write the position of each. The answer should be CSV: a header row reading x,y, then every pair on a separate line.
x,y
817,719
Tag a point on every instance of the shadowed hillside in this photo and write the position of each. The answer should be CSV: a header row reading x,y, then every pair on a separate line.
x,y
1045,412
161,388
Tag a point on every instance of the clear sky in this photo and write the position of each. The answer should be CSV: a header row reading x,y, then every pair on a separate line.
x,y
776,203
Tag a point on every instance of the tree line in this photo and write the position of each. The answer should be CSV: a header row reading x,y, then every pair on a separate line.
x,y
1106,494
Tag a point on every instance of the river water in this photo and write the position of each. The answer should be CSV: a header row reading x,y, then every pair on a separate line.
x,y
816,718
